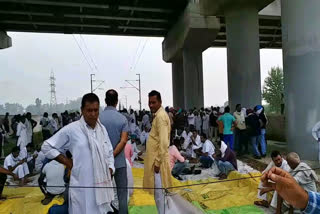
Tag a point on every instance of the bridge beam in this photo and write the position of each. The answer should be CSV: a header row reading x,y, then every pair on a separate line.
x,y
190,36
301,54
5,40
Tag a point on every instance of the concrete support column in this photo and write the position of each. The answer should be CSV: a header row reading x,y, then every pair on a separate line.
x,y
178,83
244,81
5,40
301,60
193,78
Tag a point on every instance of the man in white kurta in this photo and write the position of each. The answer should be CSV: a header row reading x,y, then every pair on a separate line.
x,y
205,124
277,161
13,163
22,134
79,137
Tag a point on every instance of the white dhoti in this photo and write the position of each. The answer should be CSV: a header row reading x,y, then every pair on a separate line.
x,y
21,171
159,195
264,197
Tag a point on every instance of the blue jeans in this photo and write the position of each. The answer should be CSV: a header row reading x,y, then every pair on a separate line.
x,y
121,179
263,136
255,141
228,139
178,168
206,161
225,167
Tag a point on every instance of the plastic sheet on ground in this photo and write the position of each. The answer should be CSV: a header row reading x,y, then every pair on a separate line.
x,y
235,197
25,200
222,198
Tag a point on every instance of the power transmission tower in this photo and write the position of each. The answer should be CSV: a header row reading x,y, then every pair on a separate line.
x,y
53,99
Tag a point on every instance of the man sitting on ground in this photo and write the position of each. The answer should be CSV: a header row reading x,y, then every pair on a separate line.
x,y
136,152
226,160
3,177
194,144
206,152
303,175
18,167
53,172
278,161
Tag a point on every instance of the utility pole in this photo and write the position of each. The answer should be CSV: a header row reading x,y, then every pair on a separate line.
x,y
98,81
139,91
135,87
91,80
53,98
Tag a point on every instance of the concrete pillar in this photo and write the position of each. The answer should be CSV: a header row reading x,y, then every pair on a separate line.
x,y
5,40
244,81
301,61
193,78
178,83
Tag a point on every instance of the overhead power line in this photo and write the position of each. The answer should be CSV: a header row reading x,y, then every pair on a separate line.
x,y
85,57
91,58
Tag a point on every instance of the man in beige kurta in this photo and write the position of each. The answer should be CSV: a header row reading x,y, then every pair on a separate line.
x,y
157,164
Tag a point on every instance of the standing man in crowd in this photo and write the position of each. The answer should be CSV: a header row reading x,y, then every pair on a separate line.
x,y
44,122
6,123
157,163
30,124
239,131
228,121
117,127
92,162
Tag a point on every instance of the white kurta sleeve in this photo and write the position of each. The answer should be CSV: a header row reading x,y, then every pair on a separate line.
x,y
315,131
109,152
19,128
52,147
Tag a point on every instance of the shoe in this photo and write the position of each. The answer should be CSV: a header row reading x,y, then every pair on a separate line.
x,y
257,157
46,201
263,156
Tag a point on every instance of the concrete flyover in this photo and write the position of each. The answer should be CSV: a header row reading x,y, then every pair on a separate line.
x,y
189,28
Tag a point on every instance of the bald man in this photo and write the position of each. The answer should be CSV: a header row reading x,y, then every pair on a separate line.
x,y
303,175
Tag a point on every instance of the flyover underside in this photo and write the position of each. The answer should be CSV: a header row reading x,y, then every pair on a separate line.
x,y
108,17
124,17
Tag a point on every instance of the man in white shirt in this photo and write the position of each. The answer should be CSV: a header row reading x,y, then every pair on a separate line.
x,y
144,135
191,119
30,124
205,124
17,166
194,144
198,122
316,135
39,161
278,161
53,172
206,152
92,163
22,133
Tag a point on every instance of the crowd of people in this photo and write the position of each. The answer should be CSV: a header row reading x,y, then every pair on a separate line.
x,y
98,148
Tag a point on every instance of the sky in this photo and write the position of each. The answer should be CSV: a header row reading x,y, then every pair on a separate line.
x,y
27,65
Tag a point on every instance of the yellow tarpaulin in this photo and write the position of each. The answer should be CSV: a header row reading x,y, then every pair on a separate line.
x,y
211,196
26,200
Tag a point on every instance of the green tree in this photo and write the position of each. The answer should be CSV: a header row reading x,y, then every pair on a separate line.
x,y
273,88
